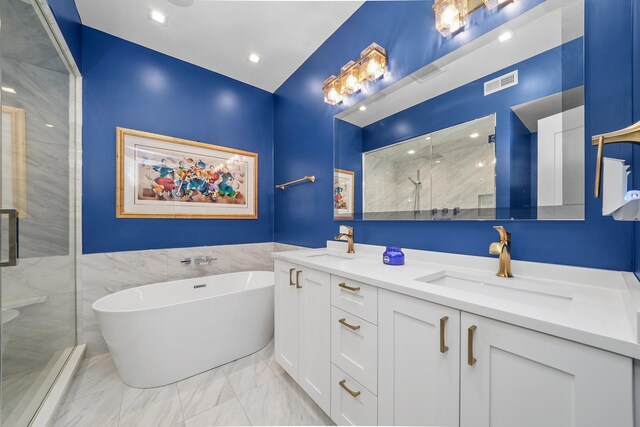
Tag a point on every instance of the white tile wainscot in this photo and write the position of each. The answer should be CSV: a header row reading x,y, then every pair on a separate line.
x,y
557,342
105,273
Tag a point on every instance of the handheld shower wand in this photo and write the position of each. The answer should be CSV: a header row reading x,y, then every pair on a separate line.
x,y
417,183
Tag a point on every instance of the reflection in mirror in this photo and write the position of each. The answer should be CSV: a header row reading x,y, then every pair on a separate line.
x,y
491,130
451,169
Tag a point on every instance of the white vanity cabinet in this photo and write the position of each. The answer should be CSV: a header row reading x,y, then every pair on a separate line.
x,y
368,355
302,328
512,376
418,361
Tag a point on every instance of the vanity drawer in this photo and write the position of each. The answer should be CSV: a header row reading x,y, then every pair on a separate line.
x,y
351,403
354,347
355,298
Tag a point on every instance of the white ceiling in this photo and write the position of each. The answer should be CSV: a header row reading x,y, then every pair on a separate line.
x,y
220,35
437,143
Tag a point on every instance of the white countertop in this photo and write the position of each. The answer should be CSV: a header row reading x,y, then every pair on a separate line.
x,y
590,306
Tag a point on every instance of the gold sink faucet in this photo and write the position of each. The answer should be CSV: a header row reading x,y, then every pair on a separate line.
x,y
502,248
349,236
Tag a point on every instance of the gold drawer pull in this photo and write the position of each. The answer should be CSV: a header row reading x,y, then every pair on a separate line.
x,y
352,327
298,279
351,392
443,321
470,359
291,270
349,288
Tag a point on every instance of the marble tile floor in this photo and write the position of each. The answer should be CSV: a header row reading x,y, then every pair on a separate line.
x,y
253,390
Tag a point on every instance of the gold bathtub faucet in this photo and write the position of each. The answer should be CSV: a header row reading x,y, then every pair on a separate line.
x,y
349,236
503,249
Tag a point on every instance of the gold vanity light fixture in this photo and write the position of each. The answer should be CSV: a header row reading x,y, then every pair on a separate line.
x,y
453,15
371,66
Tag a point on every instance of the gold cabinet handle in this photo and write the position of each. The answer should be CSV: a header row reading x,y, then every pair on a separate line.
x,y
443,321
291,270
349,288
298,279
352,327
470,359
348,390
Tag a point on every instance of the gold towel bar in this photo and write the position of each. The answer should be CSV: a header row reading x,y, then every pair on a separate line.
x,y
306,178
629,134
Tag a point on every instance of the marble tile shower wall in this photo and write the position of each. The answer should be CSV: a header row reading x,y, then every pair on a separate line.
x,y
44,95
106,273
388,188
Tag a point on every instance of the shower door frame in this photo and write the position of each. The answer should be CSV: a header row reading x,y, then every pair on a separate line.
x,y
48,399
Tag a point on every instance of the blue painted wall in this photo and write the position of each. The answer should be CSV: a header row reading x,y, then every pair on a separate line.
x,y
304,126
131,86
68,20
348,156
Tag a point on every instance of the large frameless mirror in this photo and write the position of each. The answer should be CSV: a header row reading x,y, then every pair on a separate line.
x,y
492,130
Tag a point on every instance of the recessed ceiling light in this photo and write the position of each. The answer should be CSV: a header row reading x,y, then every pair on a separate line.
x,y
480,164
49,125
474,135
8,90
254,58
428,138
505,36
411,152
362,108
157,16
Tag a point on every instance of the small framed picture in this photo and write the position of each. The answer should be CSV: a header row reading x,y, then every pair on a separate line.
x,y
343,194
163,177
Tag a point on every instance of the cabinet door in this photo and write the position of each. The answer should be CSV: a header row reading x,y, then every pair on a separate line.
x,y
315,336
286,317
529,379
418,381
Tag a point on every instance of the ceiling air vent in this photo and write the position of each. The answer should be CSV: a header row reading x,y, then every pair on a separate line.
x,y
500,83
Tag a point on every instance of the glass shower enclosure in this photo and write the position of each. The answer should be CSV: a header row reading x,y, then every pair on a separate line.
x,y
38,208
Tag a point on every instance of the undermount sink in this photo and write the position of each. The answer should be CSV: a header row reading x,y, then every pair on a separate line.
x,y
330,257
506,291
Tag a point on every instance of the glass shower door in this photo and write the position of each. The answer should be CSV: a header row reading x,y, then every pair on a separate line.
x,y
37,166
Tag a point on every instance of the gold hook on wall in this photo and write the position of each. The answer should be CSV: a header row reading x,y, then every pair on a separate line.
x,y
628,134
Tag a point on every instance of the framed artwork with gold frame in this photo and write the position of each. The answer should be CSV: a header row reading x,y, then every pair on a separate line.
x,y
343,194
14,159
160,176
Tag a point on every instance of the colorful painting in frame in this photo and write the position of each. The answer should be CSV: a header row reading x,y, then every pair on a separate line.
x,y
163,177
343,197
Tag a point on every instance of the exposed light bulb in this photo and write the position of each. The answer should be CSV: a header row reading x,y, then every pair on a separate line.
x,y
449,15
352,83
254,58
373,68
333,96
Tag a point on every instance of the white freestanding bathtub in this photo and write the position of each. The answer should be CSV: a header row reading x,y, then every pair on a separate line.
x,y
162,333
